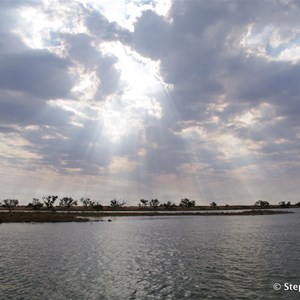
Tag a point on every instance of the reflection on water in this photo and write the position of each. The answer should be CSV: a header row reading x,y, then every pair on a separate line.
x,y
238,257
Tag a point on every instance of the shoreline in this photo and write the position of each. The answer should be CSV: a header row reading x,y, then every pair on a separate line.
x,y
63,217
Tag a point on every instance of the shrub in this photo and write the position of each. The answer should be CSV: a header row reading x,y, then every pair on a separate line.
x,y
67,202
116,203
187,203
49,201
87,202
262,204
154,203
98,206
168,205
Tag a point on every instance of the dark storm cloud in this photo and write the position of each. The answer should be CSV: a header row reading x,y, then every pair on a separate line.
x,y
22,110
200,48
151,36
17,3
80,48
36,72
9,41
31,77
104,30
201,56
7,129
82,51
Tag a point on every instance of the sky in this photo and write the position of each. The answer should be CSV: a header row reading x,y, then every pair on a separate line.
x,y
150,99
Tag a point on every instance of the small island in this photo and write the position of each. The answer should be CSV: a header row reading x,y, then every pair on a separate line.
x,y
69,211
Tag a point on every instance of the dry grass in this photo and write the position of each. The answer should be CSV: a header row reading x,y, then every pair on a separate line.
x,y
54,217
39,217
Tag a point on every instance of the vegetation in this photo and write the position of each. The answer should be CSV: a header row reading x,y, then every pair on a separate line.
x,y
49,201
116,203
143,203
98,206
36,204
168,205
187,203
153,208
10,203
154,203
282,204
262,204
87,202
37,216
67,202
17,216
213,205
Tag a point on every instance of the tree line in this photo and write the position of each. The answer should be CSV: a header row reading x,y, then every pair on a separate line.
x,y
50,202
68,202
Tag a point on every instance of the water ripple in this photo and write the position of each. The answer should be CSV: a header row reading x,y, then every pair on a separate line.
x,y
151,258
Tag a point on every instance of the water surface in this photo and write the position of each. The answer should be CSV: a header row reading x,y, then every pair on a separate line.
x,y
173,257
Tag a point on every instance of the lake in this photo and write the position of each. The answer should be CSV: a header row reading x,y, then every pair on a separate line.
x,y
173,257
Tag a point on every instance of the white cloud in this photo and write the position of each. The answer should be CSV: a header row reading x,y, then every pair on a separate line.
x,y
165,96
291,54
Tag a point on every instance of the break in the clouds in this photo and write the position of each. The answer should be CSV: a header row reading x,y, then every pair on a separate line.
x,y
150,99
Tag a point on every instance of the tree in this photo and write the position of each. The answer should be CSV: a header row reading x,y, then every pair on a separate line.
x,y
36,204
87,202
10,203
297,204
154,203
262,204
168,205
213,205
67,202
285,205
98,206
49,201
143,203
187,203
116,203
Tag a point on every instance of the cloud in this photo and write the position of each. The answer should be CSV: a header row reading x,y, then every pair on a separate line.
x,y
90,59
203,96
36,72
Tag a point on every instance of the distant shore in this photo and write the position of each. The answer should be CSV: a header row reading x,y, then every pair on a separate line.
x,y
76,216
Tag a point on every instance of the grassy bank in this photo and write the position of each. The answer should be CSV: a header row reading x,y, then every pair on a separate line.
x,y
44,217
54,217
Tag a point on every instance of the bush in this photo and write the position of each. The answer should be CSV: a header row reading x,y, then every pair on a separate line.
x,y
36,204
67,202
282,204
143,203
154,203
10,203
98,206
87,202
49,201
116,203
187,203
262,204
168,205
213,205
